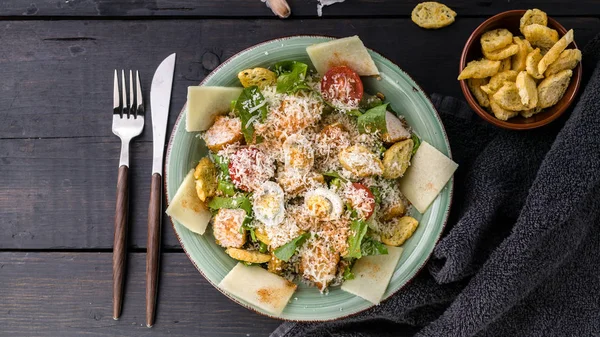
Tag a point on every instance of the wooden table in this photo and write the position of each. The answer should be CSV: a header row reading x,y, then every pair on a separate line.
x,y
58,156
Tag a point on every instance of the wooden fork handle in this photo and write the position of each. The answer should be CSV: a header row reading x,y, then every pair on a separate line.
x,y
153,247
120,243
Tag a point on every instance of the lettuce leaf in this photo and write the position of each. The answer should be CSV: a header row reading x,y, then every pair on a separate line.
x,y
373,119
371,246
369,101
348,274
359,229
290,76
241,202
225,185
286,251
250,106
417,142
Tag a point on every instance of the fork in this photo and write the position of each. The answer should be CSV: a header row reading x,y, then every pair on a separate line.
x,y
128,122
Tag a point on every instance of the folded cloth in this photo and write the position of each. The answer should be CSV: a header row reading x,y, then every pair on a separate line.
x,y
520,255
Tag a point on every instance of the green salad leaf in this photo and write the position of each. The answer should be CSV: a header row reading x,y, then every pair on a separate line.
x,y
376,193
371,246
358,229
354,113
231,203
286,251
333,174
348,274
290,76
337,182
373,119
225,185
221,162
246,226
417,142
250,106
263,248
369,102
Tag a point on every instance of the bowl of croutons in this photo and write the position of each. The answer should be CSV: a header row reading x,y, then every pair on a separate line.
x,y
520,69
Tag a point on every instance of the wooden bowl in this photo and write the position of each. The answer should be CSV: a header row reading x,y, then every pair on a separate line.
x,y
472,50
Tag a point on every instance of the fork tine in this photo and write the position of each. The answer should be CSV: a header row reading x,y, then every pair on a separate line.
x,y
131,96
124,91
139,100
116,96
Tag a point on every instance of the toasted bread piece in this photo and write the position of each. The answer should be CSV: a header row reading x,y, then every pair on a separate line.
x,y
554,53
519,59
397,159
533,16
432,15
495,39
479,69
247,255
552,88
527,89
531,63
568,59
530,112
257,76
497,81
540,36
401,230
502,53
508,97
475,87
360,161
206,179
505,64
501,113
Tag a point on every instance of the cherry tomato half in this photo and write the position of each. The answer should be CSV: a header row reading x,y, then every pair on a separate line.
x,y
343,85
242,165
369,199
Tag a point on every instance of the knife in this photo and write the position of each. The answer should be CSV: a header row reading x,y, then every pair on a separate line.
x,y
160,97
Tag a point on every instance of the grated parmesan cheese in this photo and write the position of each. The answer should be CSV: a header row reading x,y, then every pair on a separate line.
x,y
283,233
358,198
299,143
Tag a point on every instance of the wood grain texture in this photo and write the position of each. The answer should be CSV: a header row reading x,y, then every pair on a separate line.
x,y
255,8
153,247
69,295
58,192
40,61
120,242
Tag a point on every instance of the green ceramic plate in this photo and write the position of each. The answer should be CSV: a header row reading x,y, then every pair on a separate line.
x,y
185,149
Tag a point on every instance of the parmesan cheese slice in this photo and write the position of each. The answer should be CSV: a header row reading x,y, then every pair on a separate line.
x,y
259,287
427,174
187,209
372,275
205,103
349,51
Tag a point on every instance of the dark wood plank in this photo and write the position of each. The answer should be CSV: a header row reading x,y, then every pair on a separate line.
x,y
57,294
255,8
59,193
57,76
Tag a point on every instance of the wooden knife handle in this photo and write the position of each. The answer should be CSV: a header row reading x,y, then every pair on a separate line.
x,y
120,243
153,247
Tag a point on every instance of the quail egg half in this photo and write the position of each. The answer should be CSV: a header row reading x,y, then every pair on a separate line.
x,y
324,204
268,204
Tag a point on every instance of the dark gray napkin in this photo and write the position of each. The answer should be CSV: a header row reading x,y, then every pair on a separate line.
x,y
521,253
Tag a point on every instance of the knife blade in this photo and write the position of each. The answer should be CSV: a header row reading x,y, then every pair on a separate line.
x,y
160,98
